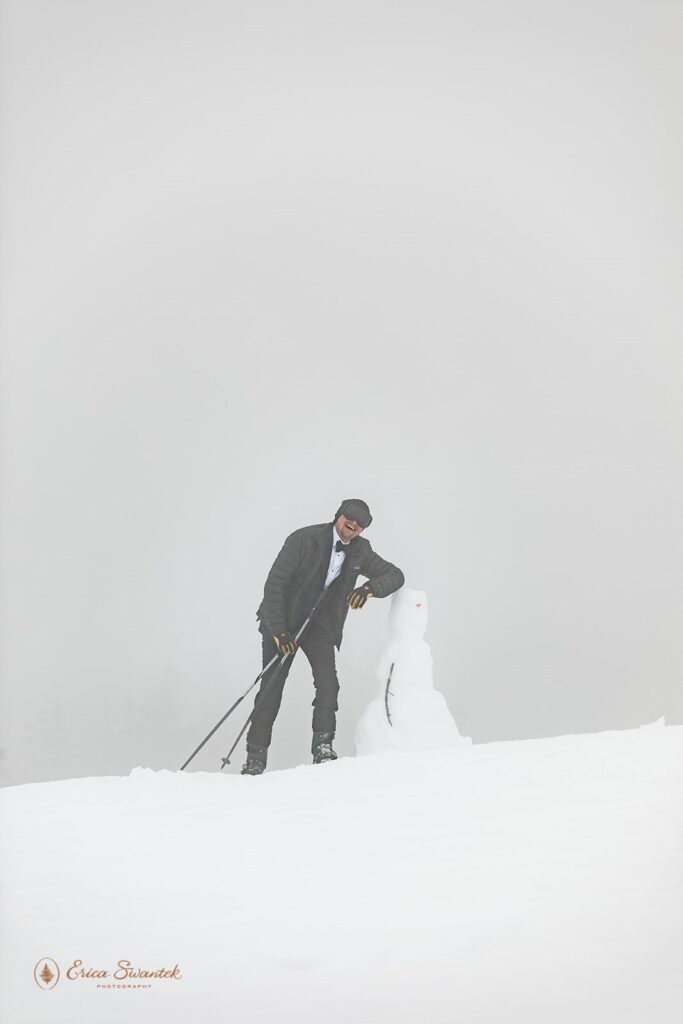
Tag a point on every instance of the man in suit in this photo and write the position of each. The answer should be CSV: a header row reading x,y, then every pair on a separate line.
x,y
331,556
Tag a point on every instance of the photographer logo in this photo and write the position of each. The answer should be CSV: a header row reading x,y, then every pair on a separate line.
x,y
46,973
123,975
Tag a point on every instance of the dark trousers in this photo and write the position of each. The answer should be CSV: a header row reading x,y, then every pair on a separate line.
x,y
318,646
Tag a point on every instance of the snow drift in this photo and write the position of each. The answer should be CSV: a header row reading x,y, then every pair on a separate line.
x,y
519,881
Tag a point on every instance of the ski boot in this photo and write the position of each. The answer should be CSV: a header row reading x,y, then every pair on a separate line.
x,y
321,747
256,760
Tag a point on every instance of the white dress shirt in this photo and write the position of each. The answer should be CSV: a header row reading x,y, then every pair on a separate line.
x,y
337,559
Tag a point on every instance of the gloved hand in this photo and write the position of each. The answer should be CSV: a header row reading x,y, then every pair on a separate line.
x,y
359,596
285,643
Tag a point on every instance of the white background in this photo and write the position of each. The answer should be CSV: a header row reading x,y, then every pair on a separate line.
x,y
257,258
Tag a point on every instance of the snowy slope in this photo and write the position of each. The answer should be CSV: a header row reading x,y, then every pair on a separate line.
x,y
527,881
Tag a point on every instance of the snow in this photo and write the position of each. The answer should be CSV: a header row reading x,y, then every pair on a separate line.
x,y
407,713
528,881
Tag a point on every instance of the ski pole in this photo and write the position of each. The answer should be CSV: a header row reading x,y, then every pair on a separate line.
x,y
263,671
230,711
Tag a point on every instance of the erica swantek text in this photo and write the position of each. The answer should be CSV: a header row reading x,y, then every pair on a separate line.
x,y
124,969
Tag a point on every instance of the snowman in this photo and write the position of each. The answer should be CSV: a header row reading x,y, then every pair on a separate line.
x,y
407,712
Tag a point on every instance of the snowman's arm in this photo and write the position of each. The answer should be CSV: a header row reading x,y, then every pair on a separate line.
x,y
383,576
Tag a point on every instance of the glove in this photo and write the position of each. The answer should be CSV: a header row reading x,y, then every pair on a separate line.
x,y
285,643
359,596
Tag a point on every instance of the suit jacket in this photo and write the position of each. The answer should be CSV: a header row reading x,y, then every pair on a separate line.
x,y
293,574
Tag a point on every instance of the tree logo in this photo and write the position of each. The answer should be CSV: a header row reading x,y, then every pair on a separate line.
x,y
46,973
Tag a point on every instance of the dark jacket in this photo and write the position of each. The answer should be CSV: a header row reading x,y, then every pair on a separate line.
x,y
303,559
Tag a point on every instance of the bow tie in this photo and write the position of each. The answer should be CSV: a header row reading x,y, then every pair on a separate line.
x,y
340,546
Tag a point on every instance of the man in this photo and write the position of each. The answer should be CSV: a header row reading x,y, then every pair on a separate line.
x,y
330,556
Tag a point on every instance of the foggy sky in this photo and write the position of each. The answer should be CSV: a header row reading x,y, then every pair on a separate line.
x,y
259,257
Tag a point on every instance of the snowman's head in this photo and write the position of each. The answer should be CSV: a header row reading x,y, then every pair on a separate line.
x,y
408,614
